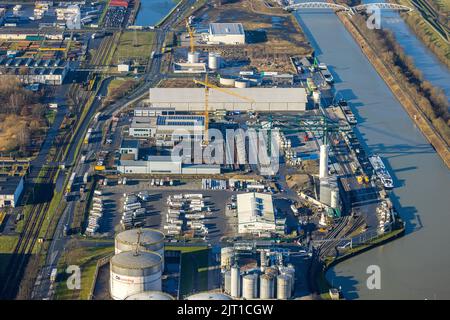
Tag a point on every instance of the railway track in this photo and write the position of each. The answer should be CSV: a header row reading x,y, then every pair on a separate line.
x,y
25,245
28,237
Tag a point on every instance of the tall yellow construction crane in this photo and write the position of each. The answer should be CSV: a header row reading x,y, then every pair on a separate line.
x,y
208,86
191,32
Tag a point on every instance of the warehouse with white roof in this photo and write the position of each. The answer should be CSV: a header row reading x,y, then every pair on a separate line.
x,y
226,33
256,213
263,99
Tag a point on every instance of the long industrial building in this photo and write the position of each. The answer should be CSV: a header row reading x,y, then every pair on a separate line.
x,y
263,99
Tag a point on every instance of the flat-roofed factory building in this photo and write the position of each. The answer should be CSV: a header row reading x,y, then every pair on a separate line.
x,y
226,33
256,214
263,99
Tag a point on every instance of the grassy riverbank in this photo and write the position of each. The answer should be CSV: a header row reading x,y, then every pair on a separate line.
x,y
425,24
405,81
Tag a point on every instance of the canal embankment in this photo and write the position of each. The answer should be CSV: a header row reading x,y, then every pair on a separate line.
x,y
399,89
323,286
424,23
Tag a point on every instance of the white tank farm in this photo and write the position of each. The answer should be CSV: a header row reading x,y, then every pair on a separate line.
x,y
150,295
209,296
226,257
266,286
132,273
235,282
250,286
283,287
150,240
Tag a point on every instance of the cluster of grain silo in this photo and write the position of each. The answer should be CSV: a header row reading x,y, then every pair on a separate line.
x,y
264,282
137,266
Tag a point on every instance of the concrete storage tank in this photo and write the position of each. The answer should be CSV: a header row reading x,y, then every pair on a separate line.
x,y
263,261
226,257
335,198
132,273
214,61
227,281
241,83
209,296
325,191
193,57
150,295
235,282
283,287
266,286
227,81
290,270
150,240
250,286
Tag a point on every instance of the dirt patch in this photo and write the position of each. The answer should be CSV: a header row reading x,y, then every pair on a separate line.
x,y
299,182
273,35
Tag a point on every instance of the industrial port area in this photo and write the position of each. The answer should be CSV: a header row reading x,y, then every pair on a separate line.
x,y
189,150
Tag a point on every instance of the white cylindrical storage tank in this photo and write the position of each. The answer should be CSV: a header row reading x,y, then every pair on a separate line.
x,y
209,296
193,57
214,60
316,97
227,282
325,191
226,257
283,287
150,240
250,286
323,168
227,81
150,295
335,198
266,286
235,282
290,270
132,273
263,259
241,83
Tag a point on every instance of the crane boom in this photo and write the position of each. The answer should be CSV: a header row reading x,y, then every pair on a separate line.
x,y
208,86
191,36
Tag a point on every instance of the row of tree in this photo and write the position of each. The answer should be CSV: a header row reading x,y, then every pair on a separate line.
x,y
431,100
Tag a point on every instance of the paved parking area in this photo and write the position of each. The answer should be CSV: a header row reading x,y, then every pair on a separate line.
x,y
220,223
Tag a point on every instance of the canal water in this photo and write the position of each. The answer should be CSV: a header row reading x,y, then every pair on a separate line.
x,y
417,265
432,69
152,11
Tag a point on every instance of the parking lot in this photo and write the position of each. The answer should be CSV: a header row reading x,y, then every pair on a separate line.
x,y
220,222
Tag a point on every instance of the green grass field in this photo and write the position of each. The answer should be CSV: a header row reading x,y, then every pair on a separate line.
x,y
86,259
193,270
135,45
7,245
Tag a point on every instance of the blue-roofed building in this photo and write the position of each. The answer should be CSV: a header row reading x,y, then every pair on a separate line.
x,y
176,126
